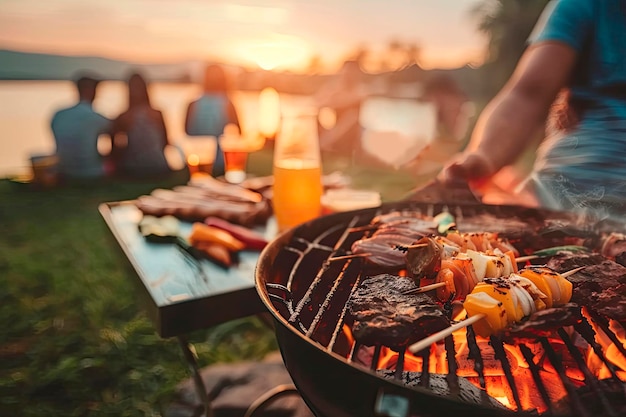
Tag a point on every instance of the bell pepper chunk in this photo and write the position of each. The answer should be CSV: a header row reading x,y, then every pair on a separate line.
x,y
495,319
537,278
504,295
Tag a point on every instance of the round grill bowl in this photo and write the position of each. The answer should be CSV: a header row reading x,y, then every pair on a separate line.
x,y
329,383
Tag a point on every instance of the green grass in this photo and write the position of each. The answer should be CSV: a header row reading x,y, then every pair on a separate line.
x,y
74,339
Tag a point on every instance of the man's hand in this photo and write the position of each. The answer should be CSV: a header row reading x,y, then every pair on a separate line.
x,y
471,168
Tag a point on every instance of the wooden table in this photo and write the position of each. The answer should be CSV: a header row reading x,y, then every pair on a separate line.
x,y
184,294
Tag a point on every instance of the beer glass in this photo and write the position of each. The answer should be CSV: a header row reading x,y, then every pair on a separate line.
x,y
236,147
297,170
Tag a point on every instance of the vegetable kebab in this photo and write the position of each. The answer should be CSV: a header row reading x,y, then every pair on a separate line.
x,y
503,301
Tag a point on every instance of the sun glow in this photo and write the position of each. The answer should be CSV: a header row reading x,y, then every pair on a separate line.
x,y
277,52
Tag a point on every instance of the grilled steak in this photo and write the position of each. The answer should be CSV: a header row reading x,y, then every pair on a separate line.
x,y
600,286
383,315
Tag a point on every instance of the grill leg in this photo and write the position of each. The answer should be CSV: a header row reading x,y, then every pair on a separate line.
x,y
197,378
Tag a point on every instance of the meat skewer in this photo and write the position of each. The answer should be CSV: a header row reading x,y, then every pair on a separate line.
x,y
508,316
396,251
425,288
503,302
386,313
538,324
345,257
463,271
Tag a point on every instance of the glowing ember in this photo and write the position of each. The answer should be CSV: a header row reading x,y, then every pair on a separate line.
x,y
493,380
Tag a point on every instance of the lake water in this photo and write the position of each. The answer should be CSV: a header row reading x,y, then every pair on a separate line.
x,y
26,108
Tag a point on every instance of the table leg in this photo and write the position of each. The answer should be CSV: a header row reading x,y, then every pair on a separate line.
x,y
197,378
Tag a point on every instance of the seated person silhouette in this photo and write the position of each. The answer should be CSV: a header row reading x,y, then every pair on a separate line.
x,y
211,112
140,136
76,130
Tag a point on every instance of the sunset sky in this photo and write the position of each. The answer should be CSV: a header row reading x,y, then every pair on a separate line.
x,y
281,34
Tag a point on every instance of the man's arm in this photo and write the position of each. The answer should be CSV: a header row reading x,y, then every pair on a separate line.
x,y
509,121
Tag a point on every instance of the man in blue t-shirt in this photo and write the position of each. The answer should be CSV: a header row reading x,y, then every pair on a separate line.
x,y
76,131
578,57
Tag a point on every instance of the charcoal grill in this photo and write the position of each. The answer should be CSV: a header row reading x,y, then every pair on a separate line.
x,y
307,296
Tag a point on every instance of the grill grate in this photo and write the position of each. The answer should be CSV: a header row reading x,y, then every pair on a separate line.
x,y
311,291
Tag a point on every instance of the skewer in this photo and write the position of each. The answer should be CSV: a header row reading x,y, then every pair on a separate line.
x,y
363,228
442,284
354,255
571,272
526,258
417,245
440,335
424,343
425,288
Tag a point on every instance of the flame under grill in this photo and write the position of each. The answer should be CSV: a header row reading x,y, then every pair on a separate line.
x,y
581,372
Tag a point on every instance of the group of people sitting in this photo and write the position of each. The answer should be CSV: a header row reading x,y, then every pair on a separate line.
x,y
138,135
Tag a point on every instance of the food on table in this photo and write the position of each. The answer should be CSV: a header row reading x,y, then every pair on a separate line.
x,y
212,243
384,314
216,252
159,229
206,197
251,239
204,234
210,187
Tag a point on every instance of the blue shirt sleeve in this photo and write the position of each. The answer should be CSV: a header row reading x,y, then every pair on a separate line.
x,y
570,22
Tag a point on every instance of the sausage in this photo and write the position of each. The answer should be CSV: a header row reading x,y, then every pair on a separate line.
x,y
249,238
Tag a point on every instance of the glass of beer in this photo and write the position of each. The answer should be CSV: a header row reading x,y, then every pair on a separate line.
x,y
297,170
200,154
236,148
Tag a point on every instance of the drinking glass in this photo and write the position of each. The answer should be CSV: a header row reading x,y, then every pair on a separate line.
x,y
200,154
297,170
236,148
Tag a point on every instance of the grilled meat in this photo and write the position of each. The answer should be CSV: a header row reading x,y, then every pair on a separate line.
x,y
384,315
600,286
382,249
423,259
544,322
614,247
